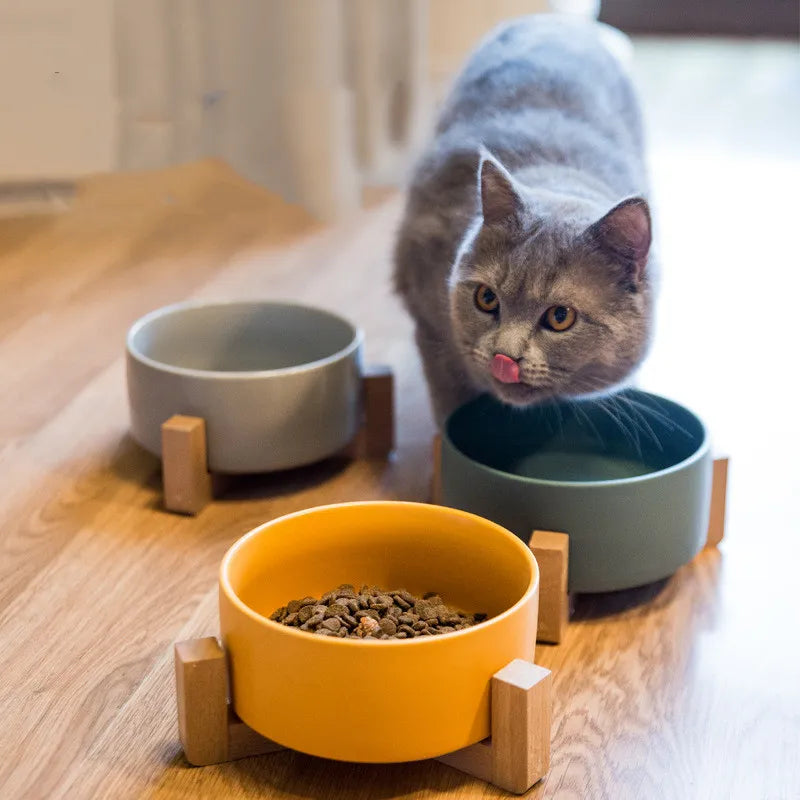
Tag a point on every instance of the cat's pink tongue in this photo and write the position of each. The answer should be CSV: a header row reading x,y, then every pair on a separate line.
x,y
505,369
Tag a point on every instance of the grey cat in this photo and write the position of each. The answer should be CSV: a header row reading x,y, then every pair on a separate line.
x,y
524,253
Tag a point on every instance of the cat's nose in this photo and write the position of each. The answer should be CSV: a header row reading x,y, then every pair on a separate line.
x,y
505,369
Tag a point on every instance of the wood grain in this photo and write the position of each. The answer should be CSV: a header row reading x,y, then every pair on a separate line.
x,y
436,469
209,729
551,549
476,760
521,719
517,754
201,688
683,689
719,501
184,464
379,431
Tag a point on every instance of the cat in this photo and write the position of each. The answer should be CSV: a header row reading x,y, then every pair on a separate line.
x,y
524,254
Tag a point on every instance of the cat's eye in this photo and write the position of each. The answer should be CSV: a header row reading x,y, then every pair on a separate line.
x,y
486,299
559,318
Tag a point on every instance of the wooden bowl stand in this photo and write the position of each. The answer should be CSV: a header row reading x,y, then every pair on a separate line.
x,y
551,549
517,754
514,758
188,484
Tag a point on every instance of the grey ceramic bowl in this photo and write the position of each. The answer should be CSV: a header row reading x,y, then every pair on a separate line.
x,y
633,493
278,384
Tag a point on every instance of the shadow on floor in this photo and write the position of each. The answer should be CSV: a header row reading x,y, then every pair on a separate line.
x,y
607,604
132,463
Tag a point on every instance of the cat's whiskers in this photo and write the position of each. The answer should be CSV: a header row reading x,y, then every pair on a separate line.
x,y
576,407
662,417
633,438
560,419
616,413
644,409
638,412
632,420
642,420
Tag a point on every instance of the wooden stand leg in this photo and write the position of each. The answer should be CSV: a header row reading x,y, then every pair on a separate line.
x,y
209,729
378,412
187,483
719,490
551,550
515,757
436,476
201,687
518,753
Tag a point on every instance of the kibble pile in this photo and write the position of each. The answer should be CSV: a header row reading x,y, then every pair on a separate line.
x,y
374,613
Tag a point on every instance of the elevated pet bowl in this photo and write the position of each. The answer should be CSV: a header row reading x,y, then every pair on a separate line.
x,y
257,386
630,483
633,492
371,700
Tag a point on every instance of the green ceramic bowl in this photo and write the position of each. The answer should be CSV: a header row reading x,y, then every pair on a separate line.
x,y
628,478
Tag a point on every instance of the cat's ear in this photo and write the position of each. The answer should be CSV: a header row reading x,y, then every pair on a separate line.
x,y
500,202
624,233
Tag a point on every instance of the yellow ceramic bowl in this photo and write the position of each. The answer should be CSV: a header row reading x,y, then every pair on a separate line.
x,y
372,700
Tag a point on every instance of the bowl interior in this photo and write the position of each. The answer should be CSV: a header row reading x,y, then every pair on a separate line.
x,y
474,564
631,434
240,337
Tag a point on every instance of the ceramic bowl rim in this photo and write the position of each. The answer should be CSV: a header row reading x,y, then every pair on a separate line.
x,y
422,641
353,345
700,451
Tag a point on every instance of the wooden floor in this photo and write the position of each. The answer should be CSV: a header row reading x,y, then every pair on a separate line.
x,y
688,689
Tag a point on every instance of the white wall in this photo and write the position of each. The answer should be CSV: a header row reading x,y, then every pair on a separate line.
x,y
57,95
311,98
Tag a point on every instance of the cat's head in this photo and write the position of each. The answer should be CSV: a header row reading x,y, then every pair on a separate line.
x,y
551,294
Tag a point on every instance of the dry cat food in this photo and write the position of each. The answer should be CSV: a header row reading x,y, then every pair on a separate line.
x,y
374,613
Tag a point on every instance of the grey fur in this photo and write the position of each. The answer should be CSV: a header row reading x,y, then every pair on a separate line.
x,y
524,188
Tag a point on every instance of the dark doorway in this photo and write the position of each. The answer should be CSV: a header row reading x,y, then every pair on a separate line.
x,y
779,18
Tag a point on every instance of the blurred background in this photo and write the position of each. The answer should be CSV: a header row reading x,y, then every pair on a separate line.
x,y
313,99
145,146
316,100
